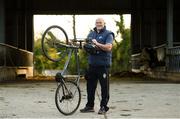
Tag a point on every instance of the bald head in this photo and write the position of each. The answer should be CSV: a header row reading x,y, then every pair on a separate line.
x,y
100,23
100,20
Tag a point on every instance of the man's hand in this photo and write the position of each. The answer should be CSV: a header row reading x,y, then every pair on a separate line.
x,y
94,41
105,47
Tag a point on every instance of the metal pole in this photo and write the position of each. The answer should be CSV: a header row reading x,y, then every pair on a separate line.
x,y
170,23
2,30
2,17
169,30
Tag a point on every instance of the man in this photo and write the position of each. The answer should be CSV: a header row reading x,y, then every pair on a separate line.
x,y
99,64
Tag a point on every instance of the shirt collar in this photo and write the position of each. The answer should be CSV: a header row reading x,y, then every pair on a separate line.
x,y
102,30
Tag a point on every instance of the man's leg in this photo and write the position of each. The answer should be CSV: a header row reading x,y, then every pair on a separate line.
x,y
104,82
91,78
91,87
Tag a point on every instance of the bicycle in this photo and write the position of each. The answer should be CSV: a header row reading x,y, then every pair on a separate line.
x,y
56,46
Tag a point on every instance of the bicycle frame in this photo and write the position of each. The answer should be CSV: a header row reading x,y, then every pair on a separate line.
x,y
73,49
64,50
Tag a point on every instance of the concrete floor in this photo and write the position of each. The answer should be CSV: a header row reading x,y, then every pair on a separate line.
x,y
127,100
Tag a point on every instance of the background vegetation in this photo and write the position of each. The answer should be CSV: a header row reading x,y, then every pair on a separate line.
x,y
120,61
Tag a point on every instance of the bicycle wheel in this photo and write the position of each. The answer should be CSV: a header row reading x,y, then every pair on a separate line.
x,y
53,43
67,100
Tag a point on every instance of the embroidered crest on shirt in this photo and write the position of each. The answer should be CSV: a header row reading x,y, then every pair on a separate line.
x,y
104,75
100,37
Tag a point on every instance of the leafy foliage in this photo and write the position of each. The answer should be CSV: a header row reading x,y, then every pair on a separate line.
x,y
120,60
121,50
41,62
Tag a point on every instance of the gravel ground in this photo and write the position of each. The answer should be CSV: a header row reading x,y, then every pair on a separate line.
x,y
127,100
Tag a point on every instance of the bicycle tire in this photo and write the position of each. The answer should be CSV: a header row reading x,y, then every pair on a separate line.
x,y
43,45
57,100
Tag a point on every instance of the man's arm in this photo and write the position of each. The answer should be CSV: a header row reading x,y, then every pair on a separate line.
x,y
105,47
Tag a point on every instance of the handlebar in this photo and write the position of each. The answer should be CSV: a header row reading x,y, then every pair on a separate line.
x,y
73,46
80,42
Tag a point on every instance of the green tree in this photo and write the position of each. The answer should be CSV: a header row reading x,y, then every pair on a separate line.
x,y
120,61
40,61
74,26
121,50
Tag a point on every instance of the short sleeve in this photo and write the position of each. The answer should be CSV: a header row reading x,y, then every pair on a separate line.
x,y
109,39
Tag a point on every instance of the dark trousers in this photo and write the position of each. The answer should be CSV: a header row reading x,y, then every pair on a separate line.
x,y
92,76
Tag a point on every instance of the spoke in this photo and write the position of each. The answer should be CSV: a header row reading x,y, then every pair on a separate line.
x,y
75,92
69,104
